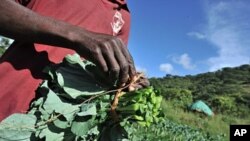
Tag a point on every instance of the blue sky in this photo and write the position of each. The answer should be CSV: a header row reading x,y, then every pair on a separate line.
x,y
189,37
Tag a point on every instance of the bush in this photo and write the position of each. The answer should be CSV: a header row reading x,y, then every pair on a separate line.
x,y
181,97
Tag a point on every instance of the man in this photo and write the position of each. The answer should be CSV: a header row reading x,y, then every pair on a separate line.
x,y
46,30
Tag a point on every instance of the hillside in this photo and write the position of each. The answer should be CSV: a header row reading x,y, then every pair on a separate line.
x,y
226,92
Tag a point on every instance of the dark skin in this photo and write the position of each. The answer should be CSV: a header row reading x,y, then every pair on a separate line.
x,y
108,52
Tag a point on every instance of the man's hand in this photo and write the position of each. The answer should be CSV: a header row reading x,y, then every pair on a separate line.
x,y
109,53
140,82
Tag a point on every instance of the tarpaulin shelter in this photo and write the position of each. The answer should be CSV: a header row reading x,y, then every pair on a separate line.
x,y
200,106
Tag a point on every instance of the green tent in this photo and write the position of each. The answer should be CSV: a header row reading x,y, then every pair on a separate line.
x,y
200,106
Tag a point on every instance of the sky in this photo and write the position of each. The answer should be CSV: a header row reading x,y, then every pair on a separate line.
x,y
188,37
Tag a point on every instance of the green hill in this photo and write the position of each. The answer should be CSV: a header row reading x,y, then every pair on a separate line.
x,y
226,91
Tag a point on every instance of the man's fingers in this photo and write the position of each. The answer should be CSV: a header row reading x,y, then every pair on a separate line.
x,y
124,69
123,78
113,66
144,83
141,84
100,61
129,59
134,87
123,63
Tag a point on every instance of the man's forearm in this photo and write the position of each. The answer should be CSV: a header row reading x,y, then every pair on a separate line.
x,y
21,23
108,52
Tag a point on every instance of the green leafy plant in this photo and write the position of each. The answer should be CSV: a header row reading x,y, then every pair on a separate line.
x,y
74,106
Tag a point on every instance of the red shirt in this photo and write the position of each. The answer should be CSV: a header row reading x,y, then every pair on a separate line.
x,y
22,64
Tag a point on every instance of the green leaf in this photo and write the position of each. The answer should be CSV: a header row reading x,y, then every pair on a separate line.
x,y
54,104
75,78
81,128
17,127
74,59
87,109
44,114
51,136
60,80
37,102
61,122
94,131
77,82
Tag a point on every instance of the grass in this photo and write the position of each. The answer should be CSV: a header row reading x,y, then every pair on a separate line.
x,y
217,125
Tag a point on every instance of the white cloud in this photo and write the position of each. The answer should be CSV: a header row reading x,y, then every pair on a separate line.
x,y
196,35
185,61
228,28
167,68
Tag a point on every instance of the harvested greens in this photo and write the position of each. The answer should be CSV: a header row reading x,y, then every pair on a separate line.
x,y
73,106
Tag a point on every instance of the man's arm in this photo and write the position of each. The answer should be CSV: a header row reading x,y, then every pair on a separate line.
x,y
108,52
20,23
